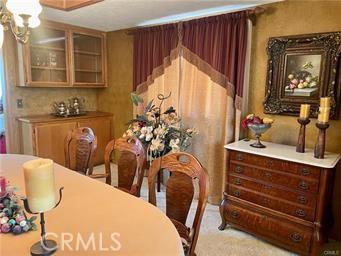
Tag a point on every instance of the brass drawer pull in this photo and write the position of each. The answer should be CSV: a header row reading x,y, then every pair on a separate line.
x,y
270,163
236,193
240,157
297,238
303,185
268,174
302,200
235,214
268,187
305,171
237,181
238,169
300,213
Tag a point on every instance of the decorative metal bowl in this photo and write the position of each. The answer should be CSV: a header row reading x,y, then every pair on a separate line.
x,y
258,129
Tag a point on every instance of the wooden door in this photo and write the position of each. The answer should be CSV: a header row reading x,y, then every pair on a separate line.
x,y
102,129
49,140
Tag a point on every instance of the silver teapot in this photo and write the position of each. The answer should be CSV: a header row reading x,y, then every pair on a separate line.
x,y
60,108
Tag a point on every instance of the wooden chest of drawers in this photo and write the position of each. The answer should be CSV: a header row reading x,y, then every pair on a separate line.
x,y
279,194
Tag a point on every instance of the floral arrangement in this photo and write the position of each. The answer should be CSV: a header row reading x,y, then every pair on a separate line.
x,y
160,132
12,218
302,79
253,119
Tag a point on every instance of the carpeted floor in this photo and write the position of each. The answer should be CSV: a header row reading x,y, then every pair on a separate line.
x,y
213,242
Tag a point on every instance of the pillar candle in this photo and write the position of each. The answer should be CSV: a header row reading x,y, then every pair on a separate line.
x,y
2,186
39,185
305,111
323,116
325,102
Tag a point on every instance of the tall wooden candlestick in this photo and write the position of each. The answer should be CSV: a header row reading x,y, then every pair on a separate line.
x,y
301,136
321,140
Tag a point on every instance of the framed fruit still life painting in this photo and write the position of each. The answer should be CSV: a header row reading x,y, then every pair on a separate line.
x,y
301,70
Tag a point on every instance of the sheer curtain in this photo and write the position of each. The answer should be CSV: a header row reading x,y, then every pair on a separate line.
x,y
202,62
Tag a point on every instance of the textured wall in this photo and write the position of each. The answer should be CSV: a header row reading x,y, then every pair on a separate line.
x,y
116,98
289,18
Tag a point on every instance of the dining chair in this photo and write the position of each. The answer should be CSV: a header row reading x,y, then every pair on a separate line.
x,y
130,163
79,148
184,170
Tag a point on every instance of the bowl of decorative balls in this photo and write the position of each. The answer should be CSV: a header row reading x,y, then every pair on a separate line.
x,y
258,126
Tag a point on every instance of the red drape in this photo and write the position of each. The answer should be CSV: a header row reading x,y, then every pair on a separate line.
x,y
151,46
220,41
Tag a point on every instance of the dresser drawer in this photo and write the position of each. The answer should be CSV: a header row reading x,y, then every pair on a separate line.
x,y
292,235
272,190
304,213
276,164
275,177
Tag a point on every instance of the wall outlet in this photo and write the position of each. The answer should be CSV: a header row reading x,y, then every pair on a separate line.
x,y
20,103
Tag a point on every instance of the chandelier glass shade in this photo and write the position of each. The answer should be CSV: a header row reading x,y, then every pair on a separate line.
x,y
19,16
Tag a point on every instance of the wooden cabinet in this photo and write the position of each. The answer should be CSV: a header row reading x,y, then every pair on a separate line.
x,y
44,135
61,55
279,194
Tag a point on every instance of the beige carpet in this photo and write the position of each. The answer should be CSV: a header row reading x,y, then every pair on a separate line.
x,y
213,242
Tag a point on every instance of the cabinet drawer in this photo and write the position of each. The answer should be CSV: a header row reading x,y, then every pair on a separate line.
x,y
293,235
269,189
275,177
276,164
272,203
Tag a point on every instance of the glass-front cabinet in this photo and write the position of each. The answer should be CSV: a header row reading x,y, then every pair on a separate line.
x,y
47,57
88,59
60,55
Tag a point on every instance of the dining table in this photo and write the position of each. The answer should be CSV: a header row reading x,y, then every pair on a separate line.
x,y
93,218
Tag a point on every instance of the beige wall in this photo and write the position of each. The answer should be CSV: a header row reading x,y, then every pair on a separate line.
x,y
35,100
116,98
290,18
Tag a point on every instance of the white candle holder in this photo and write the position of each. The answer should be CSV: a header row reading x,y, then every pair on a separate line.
x,y
44,247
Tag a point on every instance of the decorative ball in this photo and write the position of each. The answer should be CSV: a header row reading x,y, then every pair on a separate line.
x,y
11,222
6,202
2,206
17,229
5,228
23,223
4,220
26,228
7,211
19,218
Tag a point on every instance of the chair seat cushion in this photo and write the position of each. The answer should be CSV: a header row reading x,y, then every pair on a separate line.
x,y
183,232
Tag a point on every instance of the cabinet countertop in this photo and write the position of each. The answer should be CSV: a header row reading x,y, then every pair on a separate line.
x,y
51,118
286,152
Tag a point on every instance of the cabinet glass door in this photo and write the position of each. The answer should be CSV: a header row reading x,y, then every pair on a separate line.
x,y
88,59
48,56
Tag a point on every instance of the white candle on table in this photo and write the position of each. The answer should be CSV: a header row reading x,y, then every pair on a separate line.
x,y
39,185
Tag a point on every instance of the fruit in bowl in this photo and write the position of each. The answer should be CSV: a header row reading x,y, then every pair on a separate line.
x,y
258,126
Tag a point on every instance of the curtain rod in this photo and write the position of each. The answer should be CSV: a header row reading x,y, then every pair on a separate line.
x,y
251,14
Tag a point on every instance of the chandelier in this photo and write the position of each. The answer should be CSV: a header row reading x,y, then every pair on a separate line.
x,y
19,16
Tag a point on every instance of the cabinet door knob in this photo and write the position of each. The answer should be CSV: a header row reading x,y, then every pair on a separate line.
x,y
237,181
236,193
303,185
302,199
239,169
240,157
295,237
235,214
305,171
300,213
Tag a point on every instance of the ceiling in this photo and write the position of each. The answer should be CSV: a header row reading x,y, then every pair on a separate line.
x,y
110,15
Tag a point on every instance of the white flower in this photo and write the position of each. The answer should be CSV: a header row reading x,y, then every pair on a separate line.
x,y
128,133
136,127
192,131
161,130
147,133
157,145
171,118
174,144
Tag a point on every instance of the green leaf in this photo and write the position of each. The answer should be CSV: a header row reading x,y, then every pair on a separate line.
x,y
136,99
149,106
33,218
